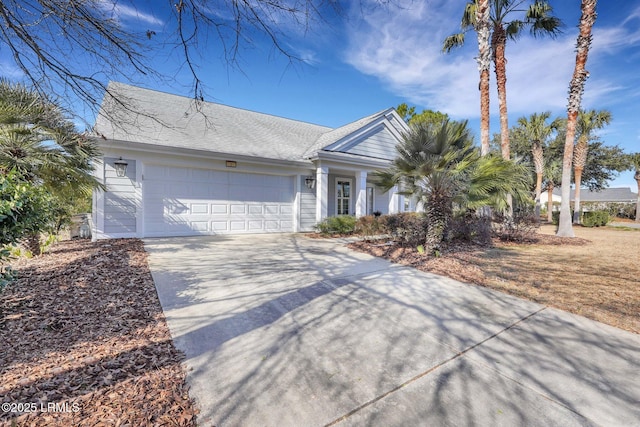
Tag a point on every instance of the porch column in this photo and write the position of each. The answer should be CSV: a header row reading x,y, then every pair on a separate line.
x,y
361,193
394,200
322,192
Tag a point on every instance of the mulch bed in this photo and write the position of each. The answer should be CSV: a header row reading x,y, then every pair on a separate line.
x,y
454,258
85,342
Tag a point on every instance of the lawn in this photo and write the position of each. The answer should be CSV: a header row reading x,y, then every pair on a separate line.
x,y
85,343
596,275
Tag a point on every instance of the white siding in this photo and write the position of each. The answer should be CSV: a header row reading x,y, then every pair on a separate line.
x,y
120,200
380,143
307,206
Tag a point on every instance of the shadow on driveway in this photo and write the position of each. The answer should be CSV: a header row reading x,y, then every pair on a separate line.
x,y
284,330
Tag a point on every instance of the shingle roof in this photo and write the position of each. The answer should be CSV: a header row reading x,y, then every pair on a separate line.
x,y
157,118
615,194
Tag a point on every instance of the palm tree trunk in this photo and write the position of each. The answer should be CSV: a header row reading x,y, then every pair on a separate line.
x,y
438,213
499,42
484,65
550,203
637,177
576,89
31,242
538,193
576,204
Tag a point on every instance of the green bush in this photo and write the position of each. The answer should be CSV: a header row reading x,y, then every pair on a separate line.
x,y
341,224
555,216
595,219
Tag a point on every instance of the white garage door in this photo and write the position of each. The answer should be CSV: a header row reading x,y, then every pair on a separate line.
x,y
185,201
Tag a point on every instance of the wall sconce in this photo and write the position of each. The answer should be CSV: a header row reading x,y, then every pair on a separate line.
x,y
310,182
121,167
231,164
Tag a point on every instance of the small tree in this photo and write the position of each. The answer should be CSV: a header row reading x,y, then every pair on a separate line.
x,y
41,145
442,168
588,121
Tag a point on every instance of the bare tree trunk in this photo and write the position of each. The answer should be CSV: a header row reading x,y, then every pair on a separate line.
x,y
576,89
484,65
576,204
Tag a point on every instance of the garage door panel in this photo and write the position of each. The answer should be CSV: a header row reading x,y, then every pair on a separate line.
x,y
199,208
182,201
219,209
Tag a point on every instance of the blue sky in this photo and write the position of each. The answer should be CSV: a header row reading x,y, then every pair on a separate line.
x,y
378,57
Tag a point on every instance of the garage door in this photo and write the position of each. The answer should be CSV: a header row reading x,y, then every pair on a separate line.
x,y
186,201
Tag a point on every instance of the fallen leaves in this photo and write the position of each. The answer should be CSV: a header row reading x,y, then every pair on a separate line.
x,y
83,331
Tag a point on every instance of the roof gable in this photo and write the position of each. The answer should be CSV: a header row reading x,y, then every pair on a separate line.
x,y
372,136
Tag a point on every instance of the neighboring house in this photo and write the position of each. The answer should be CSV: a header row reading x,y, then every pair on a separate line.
x,y
600,199
204,168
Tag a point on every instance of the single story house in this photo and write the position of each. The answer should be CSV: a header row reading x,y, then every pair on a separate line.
x,y
176,167
601,198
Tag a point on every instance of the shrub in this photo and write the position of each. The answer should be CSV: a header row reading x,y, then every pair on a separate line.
x,y
595,219
468,226
520,228
408,228
620,210
369,225
341,224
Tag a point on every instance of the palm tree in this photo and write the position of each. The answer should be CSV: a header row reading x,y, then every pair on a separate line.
x,y
43,147
537,131
441,167
588,121
537,17
635,164
477,14
576,88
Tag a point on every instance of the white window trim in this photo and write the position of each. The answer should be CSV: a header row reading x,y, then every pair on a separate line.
x,y
350,180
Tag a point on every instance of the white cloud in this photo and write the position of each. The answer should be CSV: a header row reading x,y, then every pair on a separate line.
x,y
122,12
10,70
403,49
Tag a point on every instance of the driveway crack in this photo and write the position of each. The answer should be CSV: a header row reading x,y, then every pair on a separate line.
x,y
432,369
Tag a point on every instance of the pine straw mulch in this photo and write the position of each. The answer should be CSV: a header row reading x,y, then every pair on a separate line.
x,y
595,274
85,343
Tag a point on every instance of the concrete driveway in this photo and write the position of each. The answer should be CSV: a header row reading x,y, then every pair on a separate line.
x,y
283,330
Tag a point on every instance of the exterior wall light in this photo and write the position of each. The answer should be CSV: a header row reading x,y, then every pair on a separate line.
x,y
310,182
121,167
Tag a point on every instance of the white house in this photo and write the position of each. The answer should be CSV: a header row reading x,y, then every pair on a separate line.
x,y
602,197
204,168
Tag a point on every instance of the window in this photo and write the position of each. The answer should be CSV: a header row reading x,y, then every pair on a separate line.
x,y
343,196
369,200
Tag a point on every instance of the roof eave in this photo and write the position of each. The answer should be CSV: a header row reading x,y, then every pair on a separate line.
x,y
189,152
